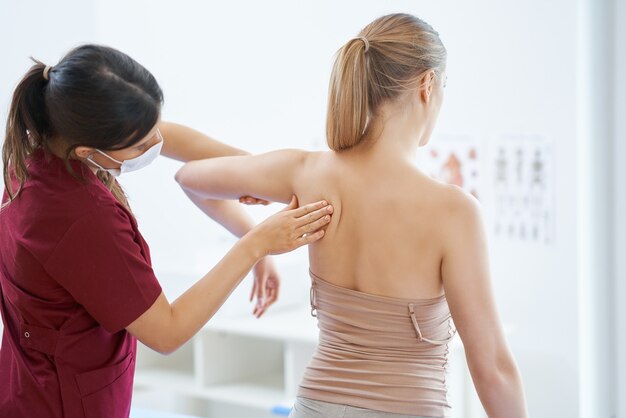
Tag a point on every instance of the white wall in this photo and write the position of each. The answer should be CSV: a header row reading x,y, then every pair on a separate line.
x,y
255,74
43,30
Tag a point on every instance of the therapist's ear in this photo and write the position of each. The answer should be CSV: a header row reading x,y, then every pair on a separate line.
x,y
83,152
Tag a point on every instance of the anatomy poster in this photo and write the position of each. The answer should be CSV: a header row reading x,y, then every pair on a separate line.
x,y
455,160
523,187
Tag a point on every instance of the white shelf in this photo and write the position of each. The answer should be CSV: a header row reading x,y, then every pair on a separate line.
x,y
147,378
235,363
262,392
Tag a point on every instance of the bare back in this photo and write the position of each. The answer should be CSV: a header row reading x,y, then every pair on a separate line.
x,y
394,232
384,237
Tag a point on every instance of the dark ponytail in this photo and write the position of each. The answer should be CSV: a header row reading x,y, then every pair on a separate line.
x,y
95,96
26,126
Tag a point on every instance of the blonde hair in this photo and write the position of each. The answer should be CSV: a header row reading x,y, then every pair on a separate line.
x,y
383,61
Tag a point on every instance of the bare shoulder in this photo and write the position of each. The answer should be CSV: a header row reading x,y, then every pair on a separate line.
x,y
295,155
312,161
290,161
314,156
459,203
299,157
310,169
453,207
461,218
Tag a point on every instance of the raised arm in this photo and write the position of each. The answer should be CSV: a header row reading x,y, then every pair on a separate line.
x,y
467,283
186,144
267,176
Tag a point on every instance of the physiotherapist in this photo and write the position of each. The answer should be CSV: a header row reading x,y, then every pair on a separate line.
x,y
76,284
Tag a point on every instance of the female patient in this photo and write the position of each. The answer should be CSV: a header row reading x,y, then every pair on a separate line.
x,y
403,254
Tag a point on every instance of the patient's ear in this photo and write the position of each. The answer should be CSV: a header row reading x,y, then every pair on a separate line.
x,y
426,85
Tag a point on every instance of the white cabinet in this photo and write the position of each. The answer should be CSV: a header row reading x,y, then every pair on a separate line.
x,y
235,367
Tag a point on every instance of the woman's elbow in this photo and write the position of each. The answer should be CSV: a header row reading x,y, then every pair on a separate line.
x,y
498,374
167,350
500,389
183,176
164,346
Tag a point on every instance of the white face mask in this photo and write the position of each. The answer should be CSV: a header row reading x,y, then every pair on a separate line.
x,y
134,163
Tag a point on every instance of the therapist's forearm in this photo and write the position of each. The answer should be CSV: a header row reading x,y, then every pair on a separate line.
x,y
198,304
164,327
186,144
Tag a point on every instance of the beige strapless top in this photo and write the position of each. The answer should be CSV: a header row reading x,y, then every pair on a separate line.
x,y
381,353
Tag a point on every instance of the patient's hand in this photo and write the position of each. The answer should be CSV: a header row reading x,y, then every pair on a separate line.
x,y
249,200
266,286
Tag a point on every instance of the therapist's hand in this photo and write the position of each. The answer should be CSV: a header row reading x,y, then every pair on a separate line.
x,y
289,229
266,286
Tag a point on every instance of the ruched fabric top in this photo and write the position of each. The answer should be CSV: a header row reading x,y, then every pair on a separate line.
x,y
381,353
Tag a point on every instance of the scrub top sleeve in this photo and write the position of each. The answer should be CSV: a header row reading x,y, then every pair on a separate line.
x,y
100,262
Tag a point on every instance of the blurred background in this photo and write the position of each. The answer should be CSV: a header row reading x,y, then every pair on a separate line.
x,y
532,124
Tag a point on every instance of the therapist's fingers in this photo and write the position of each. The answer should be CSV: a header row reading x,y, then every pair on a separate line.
x,y
310,238
314,226
303,211
314,215
282,231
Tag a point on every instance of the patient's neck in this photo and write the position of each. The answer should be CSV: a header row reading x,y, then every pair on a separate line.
x,y
392,137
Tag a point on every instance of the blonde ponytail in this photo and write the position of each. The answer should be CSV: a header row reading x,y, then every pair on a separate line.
x,y
384,61
348,108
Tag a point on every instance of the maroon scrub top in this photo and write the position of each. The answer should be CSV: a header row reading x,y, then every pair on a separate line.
x,y
74,272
